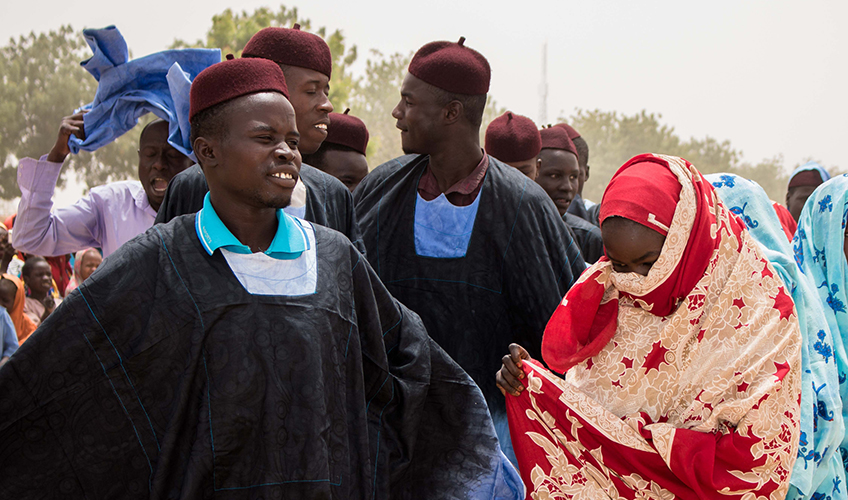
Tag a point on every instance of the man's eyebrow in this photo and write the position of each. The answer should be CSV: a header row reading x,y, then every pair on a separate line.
x,y
649,254
262,128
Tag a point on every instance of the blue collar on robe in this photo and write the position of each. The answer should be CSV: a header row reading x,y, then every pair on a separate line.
x,y
443,230
289,242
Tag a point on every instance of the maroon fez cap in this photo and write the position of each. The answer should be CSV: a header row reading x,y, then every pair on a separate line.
x,y
512,137
572,133
347,130
806,178
452,67
292,47
557,138
234,78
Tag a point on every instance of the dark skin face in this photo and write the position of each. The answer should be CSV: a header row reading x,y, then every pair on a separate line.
x,y
418,116
309,92
558,176
39,280
529,167
90,262
795,199
253,167
630,246
584,176
350,167
6,249
158,162
8,290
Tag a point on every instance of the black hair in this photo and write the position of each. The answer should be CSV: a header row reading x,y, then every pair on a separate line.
x,y
473,105
31,261
157,120
582,151
210,122
316,159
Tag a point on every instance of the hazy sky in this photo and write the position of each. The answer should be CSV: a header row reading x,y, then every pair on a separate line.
x,y
770,76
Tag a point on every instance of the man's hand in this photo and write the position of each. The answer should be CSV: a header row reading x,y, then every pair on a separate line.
x,y
508,377
70,125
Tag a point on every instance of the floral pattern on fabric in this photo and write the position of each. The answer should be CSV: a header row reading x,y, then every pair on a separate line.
x,y
701,403
818,247
818,470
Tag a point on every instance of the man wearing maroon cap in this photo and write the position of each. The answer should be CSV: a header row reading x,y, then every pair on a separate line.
x,y
515,140
342,154
307,64
578,205
473,246
247,353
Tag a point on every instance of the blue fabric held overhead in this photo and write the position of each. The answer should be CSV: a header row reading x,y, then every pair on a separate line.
x,y
818,470
443,230
158,84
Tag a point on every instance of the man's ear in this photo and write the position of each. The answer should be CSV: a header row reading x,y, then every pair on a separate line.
x,y
453,111
204,150
587,174
538,166
787,198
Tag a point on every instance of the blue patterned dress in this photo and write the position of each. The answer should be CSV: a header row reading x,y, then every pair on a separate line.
x,y
819,473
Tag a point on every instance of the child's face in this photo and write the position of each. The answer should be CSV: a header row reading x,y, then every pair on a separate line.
x,y
39,279
90,262
7,294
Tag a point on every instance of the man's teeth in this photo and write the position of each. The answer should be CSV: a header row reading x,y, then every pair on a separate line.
x,y
282,175
322,126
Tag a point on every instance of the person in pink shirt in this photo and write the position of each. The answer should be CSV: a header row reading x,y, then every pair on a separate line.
x,y
109,215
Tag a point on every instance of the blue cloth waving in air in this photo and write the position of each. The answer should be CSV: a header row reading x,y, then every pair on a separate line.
x,y
158,84
818,471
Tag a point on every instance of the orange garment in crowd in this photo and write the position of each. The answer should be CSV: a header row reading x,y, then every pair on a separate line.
x,y
24,326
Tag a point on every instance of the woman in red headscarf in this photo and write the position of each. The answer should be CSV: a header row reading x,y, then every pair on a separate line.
x,y
681,354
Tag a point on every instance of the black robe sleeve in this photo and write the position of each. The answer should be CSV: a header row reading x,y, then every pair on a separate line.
x,y
161,377
588,237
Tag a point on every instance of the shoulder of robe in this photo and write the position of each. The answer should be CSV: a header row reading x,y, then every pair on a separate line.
x,y
317,180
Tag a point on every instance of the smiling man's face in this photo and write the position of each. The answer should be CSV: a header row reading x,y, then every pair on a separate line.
x,y
309,92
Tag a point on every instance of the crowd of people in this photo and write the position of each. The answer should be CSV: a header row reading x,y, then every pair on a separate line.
x,y
261,314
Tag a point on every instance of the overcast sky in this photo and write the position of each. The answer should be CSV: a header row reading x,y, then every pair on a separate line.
x,y
770,76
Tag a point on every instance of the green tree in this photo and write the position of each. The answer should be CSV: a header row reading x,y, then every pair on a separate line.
x,y
614,138
42,81
231,31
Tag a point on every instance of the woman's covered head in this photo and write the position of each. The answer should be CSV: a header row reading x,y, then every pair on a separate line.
x,y
636,213
87,261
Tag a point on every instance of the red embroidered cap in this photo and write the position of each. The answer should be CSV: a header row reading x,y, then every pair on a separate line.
x,y
512,137
452,67
292,47
347,130
557,138
234,78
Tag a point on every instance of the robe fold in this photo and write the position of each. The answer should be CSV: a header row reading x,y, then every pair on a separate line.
x,y
162,377
519,262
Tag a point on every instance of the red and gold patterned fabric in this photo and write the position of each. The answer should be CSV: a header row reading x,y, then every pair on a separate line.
x,y
701,402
